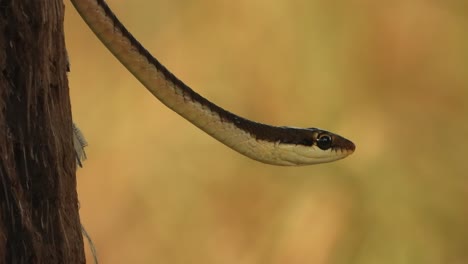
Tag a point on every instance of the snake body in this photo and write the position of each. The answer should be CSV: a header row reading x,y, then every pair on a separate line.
x,y
268,144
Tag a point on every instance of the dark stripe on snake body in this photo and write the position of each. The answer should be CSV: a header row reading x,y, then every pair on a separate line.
x,y
260,131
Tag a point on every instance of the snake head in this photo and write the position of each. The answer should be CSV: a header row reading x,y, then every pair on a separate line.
x,y
327,146
325,140
312,146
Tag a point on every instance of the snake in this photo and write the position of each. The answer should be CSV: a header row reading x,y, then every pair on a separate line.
x,y
276,145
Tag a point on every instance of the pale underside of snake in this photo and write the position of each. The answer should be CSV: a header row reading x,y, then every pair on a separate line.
x,y
277,145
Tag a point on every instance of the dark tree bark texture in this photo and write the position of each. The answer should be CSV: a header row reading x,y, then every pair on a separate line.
x,y
39,221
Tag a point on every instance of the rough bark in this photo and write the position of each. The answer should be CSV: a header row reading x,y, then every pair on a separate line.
x,y
39,221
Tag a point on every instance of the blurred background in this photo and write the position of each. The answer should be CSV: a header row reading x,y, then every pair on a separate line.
x,y
390,75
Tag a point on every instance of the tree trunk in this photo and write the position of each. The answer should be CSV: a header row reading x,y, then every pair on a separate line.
x,y
39,221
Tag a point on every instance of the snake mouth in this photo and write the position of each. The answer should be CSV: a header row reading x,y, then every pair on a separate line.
x,y
343,145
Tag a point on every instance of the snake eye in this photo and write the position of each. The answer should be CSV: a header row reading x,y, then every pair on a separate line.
x,y
324,142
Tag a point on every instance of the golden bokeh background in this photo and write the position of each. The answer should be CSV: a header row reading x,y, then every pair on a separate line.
x,y
390,75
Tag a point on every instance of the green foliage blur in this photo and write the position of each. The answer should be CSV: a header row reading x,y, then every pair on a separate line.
x,y
390,75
